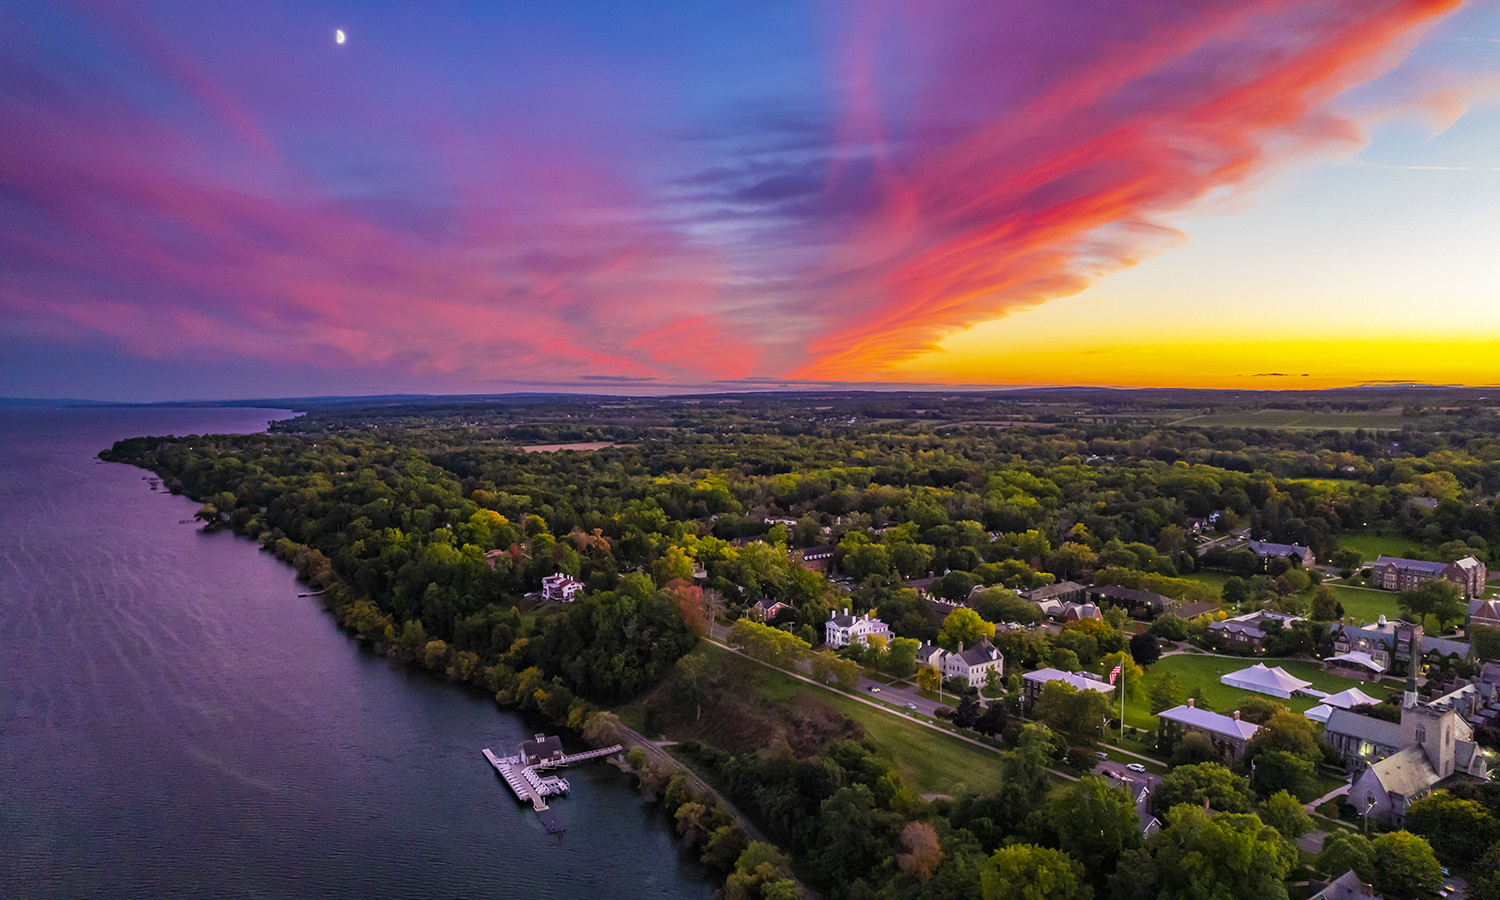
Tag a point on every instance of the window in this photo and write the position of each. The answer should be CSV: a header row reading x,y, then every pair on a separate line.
x,y
1421,734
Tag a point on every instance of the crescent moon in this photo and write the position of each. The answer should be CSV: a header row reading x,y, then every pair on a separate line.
x,y
338,35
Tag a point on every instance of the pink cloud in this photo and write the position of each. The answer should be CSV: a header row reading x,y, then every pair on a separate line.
x,y
1049,143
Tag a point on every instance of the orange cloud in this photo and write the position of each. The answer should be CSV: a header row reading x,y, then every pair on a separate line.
x,y
1072,161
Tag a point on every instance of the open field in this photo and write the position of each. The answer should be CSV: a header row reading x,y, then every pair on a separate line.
x,y
1299,420
1373,543
1213,579
1203,672
1367,604
928,760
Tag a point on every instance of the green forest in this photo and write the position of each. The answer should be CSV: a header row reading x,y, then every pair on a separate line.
x,y
429,528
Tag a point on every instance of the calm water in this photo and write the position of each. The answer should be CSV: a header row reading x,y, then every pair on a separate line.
x,y
175,721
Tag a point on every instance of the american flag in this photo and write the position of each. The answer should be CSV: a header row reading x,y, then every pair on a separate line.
x,y
1115,673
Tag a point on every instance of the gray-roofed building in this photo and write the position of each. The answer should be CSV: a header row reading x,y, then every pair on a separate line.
x,y
1361,740
1065,591
1228,734
1396,574
1194,609
1268,550
1130,598
1032,684
1248,633
1388,787
1347,886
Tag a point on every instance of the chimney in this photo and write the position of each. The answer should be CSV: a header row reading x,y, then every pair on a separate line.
x,y
960,646
1190,703
1366,890
1236,715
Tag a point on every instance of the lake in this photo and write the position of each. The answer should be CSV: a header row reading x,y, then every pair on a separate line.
x,y
176,722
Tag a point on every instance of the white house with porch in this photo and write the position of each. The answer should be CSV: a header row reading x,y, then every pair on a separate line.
x,y
843,630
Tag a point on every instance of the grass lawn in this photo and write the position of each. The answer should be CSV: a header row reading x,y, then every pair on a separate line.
x,y
929,761
1373,543
1214,580
1298,419
1204,672
1367,604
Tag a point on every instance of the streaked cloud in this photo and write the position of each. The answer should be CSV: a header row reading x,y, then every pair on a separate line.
x,y
579,195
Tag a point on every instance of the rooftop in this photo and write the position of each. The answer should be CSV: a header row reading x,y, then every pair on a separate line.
x,y
1210,721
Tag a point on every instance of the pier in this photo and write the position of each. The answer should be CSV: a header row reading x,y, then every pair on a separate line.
x,y
523,772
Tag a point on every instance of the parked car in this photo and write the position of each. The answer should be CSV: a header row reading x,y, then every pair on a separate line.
x,y
911,706
874,689
1136,767
1102,755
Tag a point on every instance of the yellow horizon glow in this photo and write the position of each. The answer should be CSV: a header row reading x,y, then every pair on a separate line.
x,y
1245,361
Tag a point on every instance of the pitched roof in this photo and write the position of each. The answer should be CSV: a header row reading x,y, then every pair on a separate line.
x,y
983,653
1210,721
1267,548
1366,728
1407,773
1042,676
1053,590
1345,887
1412,565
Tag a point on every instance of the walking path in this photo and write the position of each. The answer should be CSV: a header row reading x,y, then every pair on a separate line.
x,y
654,750
1336,792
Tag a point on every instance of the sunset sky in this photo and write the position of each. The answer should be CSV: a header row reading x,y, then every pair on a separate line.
x,y
221,201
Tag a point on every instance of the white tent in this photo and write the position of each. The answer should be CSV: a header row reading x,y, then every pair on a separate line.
x,y
1356,660
1320,713
1350,698
1260,679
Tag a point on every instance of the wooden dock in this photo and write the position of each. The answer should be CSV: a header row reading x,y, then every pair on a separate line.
x,y
527,784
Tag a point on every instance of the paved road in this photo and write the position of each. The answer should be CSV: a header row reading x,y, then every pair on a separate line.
x,y
1116,772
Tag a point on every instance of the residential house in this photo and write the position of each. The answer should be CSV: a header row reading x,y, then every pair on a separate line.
x,y
974,664
1063,592
1347,886
1389,643
765,609
561,588
1136,601
1033,682
814,559
923,586
1248,633
1228,734
843,630
1268,550
1395,574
